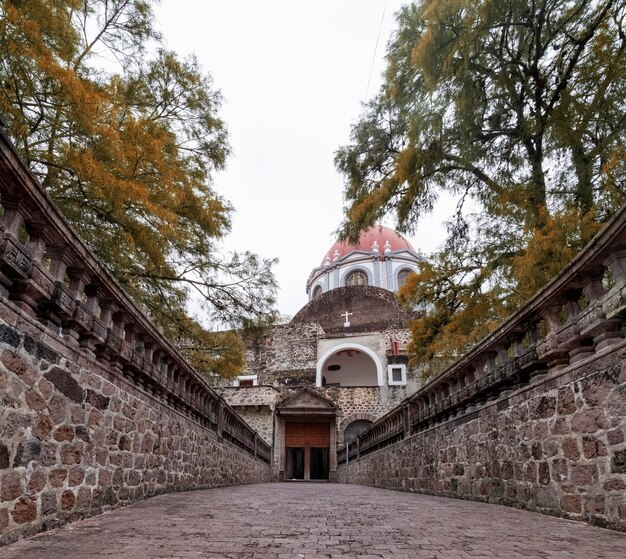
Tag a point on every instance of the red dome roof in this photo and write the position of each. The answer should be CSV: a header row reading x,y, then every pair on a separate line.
x,y
376,233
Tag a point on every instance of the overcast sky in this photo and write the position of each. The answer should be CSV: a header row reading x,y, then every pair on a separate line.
x,y
293,75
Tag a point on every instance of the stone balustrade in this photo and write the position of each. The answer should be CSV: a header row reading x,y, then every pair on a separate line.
x,y
534,415
52,276
579,314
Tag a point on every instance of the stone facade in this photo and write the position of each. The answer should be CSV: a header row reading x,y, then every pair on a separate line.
x,y
557,446
287,354
78,438
289,357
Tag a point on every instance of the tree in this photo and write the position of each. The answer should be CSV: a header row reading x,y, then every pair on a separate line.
x,y
515,105
126,142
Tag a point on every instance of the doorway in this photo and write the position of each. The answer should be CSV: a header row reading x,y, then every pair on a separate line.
x,y
295,462
307,449
319,463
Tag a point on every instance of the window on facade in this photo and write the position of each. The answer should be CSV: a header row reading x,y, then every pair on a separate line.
x,y
396,375
317,291
247,380
402,277
357,278
355,429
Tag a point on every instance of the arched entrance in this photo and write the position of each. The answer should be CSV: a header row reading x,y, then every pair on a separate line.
x,y
349,365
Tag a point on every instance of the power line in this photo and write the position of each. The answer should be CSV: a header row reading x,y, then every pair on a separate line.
x,y
380,27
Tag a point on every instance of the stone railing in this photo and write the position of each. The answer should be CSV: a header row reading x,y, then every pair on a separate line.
x,y
52,276
389,429
576,316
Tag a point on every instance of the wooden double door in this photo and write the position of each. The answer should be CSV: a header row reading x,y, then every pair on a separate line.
x,y
307,447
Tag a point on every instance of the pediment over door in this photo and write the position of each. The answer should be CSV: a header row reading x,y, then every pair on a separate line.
x,y
306,401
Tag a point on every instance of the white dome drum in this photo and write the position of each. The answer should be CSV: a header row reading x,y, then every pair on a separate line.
x,y
381,258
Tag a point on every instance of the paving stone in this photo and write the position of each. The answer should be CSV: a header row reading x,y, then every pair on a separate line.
x,y
315,521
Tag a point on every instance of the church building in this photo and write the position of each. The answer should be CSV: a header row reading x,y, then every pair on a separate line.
x,y
339,365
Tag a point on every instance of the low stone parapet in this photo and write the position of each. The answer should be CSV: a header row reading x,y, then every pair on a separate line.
x,y
534,415
97,408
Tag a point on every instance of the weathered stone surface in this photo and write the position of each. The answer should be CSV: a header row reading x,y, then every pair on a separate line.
x,y
40,350
98,401
18,366
73,424
278,521
66,384
4,457
25,510
68,499
9,336
37,481
49,504
64,433
26,452
11,486
57,476
618,462
565,456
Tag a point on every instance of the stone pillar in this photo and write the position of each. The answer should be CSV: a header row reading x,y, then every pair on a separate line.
x,y
332,452
390,284
282,453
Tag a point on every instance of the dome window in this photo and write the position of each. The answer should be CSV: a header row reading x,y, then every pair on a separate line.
x,y
402,276
357,278
317,291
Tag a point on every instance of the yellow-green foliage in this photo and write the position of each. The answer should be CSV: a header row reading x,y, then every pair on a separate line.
x,y
516,106
128,154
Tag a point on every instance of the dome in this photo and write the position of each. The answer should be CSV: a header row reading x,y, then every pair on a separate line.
x,y
376,233
370,308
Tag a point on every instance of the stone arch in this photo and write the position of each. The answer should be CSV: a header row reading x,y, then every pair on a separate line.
x,y
356,417
339,347
364,420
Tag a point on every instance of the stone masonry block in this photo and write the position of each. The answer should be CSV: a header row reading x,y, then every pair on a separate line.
x,y
66,384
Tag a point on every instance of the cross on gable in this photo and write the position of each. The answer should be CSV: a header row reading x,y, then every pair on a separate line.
x,y
347,322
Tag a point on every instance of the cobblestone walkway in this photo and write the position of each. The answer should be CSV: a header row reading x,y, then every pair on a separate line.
x,y
293,520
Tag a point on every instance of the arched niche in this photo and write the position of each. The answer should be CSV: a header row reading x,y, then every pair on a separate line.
x,y
358,366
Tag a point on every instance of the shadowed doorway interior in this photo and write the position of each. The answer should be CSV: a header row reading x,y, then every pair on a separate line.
x,y
307,446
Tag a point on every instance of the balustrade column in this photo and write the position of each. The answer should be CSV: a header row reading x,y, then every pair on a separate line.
x,y
406,416
38,287
96,334
593,320
614,304
118,348
220,420
569,335
82,319
15,262
62,304
548,347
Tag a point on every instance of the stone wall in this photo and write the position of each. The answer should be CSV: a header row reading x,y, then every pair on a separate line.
x,y
373,400
77,437
372,308
556,446
289,348
534,415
